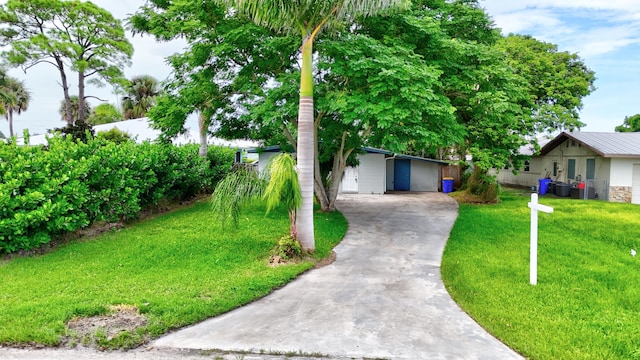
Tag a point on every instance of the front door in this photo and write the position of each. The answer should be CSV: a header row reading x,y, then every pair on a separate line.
x,y
402,175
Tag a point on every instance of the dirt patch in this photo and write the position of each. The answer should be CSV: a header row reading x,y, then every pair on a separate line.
x,y
91,331
277,260
326,261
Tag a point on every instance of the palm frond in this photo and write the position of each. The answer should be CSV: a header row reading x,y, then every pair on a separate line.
x,y
235,190
283,187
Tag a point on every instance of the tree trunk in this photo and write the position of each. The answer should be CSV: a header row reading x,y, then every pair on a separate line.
x,y
10,118
65,90
318,181
339,164
203,128
304,218
81,108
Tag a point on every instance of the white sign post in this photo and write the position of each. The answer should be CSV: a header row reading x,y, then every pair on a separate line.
x,y
535,207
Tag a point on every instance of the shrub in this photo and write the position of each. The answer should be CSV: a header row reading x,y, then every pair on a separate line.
x,y
69,184
288,248
115,135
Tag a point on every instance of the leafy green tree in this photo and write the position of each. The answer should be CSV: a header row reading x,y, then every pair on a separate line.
x,y
15,99
104,113
556,80
140,96
630,124
227,57
74,105
307,18
70,35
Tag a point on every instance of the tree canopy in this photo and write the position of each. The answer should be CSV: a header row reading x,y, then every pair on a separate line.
x,y
140,96
630,124
436,79
70,35
14,99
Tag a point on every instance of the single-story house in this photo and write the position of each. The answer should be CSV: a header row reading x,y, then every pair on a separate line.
x,y
609,162
380,171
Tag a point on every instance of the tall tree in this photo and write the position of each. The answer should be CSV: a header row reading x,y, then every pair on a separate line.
x,y
141,94
307,18
223,52
70,35
630,124
556,80
15,99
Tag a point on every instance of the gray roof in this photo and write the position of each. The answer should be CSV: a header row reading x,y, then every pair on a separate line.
x,y
606,144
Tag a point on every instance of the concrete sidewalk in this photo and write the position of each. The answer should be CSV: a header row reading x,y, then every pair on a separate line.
x,y
382,298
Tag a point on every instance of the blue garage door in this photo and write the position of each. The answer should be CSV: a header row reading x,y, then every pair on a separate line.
x,y
402,175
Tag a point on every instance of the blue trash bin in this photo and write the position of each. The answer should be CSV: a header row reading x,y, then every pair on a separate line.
x,y
544,185
447,185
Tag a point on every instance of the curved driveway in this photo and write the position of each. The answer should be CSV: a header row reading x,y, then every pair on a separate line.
x,y
382,298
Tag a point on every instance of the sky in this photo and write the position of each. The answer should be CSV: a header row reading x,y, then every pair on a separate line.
x,y
604,33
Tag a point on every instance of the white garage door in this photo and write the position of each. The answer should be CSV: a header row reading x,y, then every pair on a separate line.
x,y
635,183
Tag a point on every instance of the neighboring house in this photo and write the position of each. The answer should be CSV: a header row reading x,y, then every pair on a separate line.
x,y
141,131
610,162
380,171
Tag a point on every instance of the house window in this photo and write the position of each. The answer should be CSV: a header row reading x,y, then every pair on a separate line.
x,y
571,169
527,165
555,168
591,169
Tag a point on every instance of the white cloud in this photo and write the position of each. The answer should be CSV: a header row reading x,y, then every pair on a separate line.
x,y
605,33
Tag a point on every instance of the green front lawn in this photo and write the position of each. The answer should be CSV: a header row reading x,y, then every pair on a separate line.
x,y
177,269
587,301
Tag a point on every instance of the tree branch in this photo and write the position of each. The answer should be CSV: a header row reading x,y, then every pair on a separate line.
x,y
95,97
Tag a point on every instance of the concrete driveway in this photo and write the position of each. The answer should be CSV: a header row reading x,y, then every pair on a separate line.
x,y
382,298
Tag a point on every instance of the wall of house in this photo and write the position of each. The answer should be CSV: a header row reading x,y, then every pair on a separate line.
x,y
264,158
528,178
371,174
424,176
542,166
621,183
622,171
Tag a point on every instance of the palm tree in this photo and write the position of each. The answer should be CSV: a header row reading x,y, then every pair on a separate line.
x,y
243,186
75,108
141,96
15,99
307,18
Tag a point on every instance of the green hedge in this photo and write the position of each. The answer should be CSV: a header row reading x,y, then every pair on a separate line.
x,y
68,185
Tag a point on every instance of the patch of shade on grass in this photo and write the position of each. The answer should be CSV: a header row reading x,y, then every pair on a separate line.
x,y
177,269
585,305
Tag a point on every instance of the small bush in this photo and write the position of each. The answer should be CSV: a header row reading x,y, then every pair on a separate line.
x,y
484,186
115,135
288,248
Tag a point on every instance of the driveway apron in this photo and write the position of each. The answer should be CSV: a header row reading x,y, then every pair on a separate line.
x,y
383,297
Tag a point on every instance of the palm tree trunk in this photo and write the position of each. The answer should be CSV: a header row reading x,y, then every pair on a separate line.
x,y
203,127
304,218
